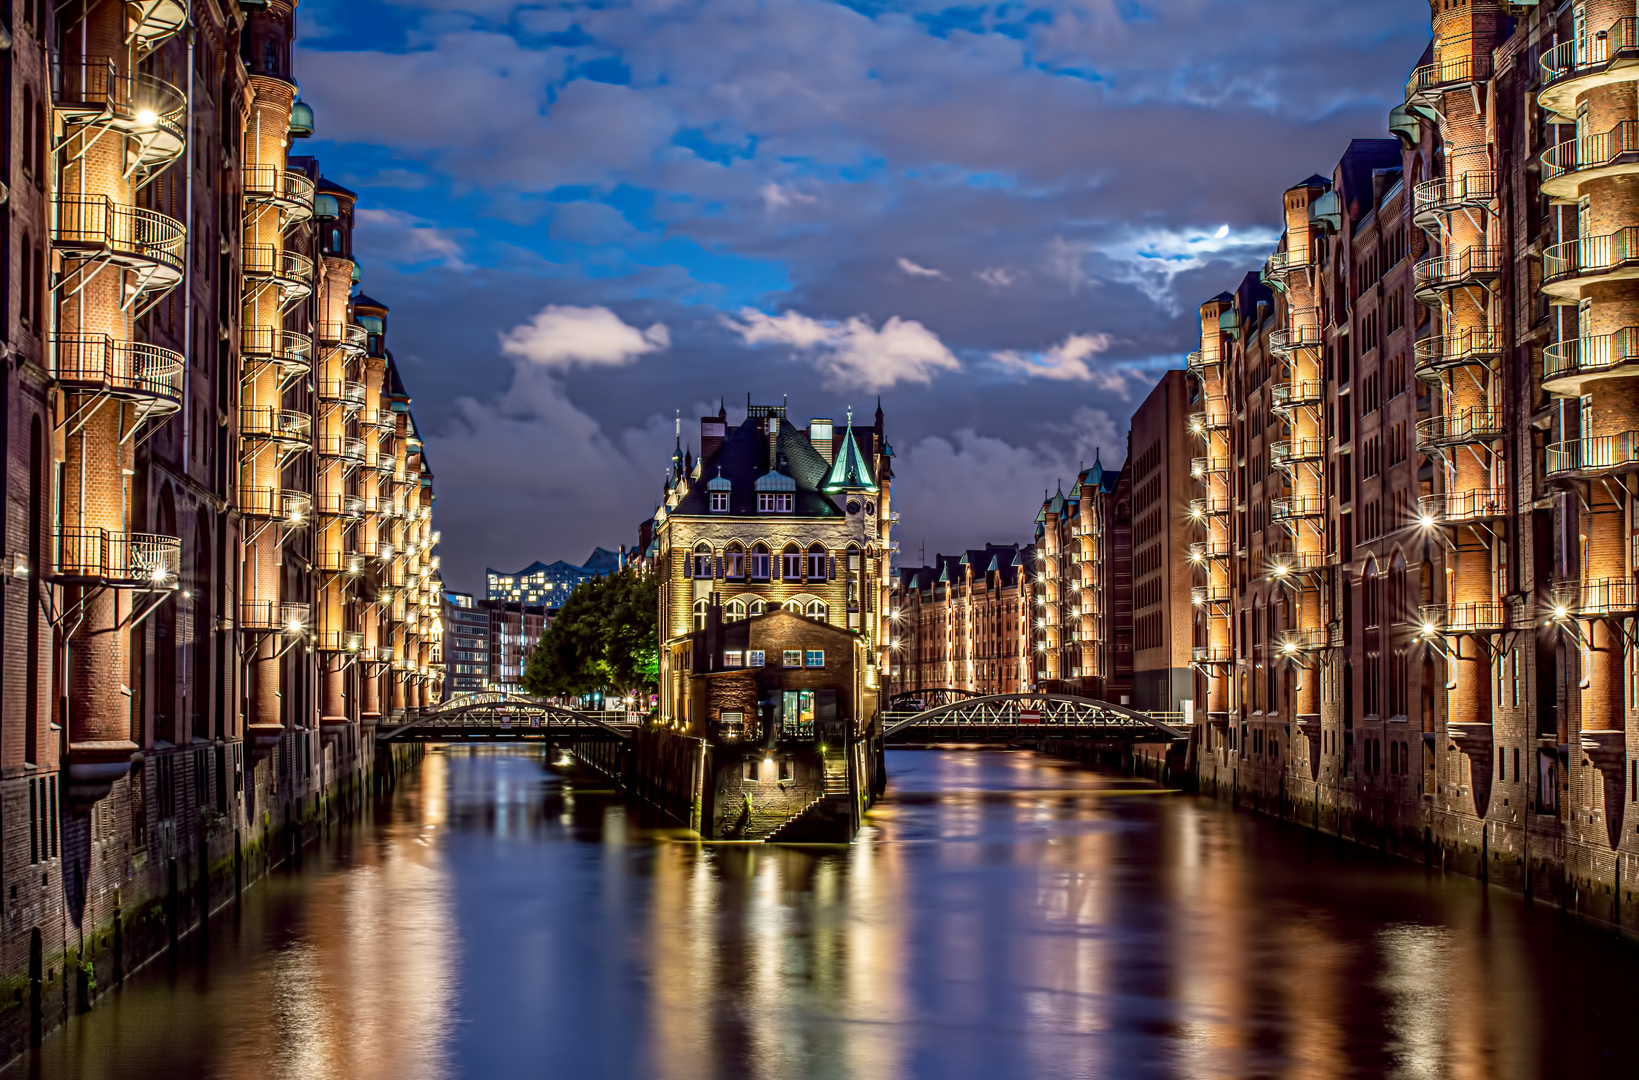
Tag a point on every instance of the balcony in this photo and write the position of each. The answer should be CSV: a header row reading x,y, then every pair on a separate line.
x,y
1285,263
1605,596
343,447
292,192
348,336
1210,656
1433,198
1211,506
1566,364
1214,416
96,228
1301,640
126,370
340,641
116,559
332,560
1473,266
1598,59
273,616
1596,454
151,113
1196,362
1203,550
335,504
1458,67
1297,508
1302,331
289,271
1457,507
153,21
284,505
1202,466
1300,394
1595,260
293,352
1471,426
1566,167
1433,355
1210,594
345,392
1480,617
267,424
1283,565
1285,455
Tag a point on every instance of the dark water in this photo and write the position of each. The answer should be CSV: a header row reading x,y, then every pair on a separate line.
x,y
1003,916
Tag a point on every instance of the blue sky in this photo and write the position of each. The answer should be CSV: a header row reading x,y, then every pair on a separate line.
x,y
997,217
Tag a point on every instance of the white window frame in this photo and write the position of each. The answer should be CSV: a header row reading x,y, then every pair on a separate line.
x,y
791,658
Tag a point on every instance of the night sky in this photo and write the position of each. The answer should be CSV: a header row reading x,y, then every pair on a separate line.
x,y
999,218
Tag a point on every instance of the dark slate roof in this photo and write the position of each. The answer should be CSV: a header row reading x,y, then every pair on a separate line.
x,y
1360,160
852,470
1316,180
743,458
330,187
364,301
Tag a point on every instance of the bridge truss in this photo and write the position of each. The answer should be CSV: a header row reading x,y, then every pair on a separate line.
x,y
511,718
1024,718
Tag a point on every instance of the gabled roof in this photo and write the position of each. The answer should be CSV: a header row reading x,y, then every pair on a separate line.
x,y
850,471
743,460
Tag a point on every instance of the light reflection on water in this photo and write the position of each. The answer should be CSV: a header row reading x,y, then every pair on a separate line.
x,y
1001,915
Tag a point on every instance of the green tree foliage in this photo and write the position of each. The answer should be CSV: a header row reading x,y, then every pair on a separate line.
x,y
605,639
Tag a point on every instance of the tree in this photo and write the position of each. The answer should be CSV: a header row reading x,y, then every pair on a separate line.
x,y
605,639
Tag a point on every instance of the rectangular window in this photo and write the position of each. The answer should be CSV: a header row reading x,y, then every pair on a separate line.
x,y
793,658
814,658
734,658
791,566
816,566
758,565
750,767
754,658
785,768
702,566
774,502
735,564
719,502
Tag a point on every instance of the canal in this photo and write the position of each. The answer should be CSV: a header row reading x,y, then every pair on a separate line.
x,y
1003,915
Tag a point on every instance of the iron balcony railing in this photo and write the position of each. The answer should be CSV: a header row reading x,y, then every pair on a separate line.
x,y
290,190
1604,596
343,335
1468,617
1298,448
1211,506
1452,271
1297,507
89,226
1301,639
121,559
345,391
277,425
336,504
1591,256
1593,454
1202,550
153,21
1201,466
291,507
125,369
1590,152
1579,356
291,270
1302,331
1435,354
1304,393
1457,64
1474,188
345,447
1214,415
1478,424
1458,506
274,615
1582,56
339,641
153,112
333,560
285,347
1196,362
1210,655
1210,594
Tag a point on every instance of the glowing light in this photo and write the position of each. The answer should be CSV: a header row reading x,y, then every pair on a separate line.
x,y
1561,611
1426,521
1429,629
147,117
1278,570
295,626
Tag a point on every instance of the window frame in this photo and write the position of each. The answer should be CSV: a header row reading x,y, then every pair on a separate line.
x,y
791,659
813,658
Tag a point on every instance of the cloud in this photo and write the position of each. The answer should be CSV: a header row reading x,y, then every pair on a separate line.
x,y
408,240
853,354
1067,261
918,271
558,338
778,196
1066,361
1152,259
998,277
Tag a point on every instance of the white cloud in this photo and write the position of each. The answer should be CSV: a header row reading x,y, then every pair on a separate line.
x,y
998,277
853,354
1152,258
1067,361
776,196
1067,261
408,240
915,270
560,337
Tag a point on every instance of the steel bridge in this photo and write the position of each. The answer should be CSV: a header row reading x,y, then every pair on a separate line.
x,y
945,715
510,718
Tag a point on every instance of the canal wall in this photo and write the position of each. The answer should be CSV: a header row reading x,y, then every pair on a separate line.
x,y
108,893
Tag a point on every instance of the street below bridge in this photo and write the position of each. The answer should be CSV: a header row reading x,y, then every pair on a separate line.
x,y
1001,914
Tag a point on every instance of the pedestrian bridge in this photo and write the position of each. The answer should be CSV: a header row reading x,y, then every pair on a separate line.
x,y
512,718
945,715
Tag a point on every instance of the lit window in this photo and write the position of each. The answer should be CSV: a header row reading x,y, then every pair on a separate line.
x,y
700,614
814,658
754,658
734,658
793,658
817,610
719,502
774,502
702,563
816,564
734,610
734,564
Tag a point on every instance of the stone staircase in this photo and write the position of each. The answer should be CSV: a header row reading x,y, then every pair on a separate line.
x,y
826,820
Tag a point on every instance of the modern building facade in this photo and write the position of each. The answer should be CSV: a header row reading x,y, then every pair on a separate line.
x,y
543,585
217,532
1415,472
1159,466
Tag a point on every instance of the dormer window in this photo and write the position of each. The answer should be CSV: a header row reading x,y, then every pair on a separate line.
x,y
775,502
718,489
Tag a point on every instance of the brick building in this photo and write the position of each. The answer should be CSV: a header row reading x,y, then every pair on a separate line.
x,y
1159,467
963,623
216,530
1429,390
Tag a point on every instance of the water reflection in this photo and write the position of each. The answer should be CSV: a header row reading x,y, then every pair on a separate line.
x,y
1002,915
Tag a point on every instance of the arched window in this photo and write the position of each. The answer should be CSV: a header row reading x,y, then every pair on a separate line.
x,y
791,563
816,563
734,610
759,607
734,562
817,610
701,562
700,607
793,606
757,564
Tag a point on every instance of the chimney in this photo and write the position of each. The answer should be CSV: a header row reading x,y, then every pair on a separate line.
x,y
712,433
819,433
773,423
